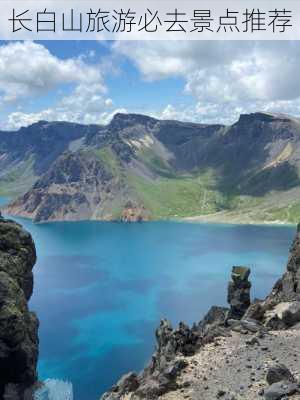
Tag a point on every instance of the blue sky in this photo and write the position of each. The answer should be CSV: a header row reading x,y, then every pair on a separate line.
x,y
87,82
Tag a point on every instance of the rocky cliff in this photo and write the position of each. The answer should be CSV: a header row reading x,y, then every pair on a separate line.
x,y
248,171
18,326
247,351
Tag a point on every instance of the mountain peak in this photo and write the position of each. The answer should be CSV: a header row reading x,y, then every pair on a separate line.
x,y
122,120
263,117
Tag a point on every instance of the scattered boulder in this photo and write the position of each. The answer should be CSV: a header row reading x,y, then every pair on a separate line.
x,y
291,313
280,389
277,373
246,325
283,315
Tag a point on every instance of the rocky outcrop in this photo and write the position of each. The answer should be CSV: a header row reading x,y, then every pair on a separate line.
x,y
281,308
253,338
239,292
287,288
133,212
18,326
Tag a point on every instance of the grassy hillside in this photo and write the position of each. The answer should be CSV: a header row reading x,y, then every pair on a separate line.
x,y
18,178
179,196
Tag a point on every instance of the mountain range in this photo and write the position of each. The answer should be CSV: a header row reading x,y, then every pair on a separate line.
x,y
141,168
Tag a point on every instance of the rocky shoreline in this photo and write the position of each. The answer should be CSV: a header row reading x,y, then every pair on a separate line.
x,y
247,351
227,219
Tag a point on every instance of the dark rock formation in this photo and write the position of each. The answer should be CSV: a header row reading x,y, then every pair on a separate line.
x,y
128,383
213,324
239,292
287,288
281,308
160,376
18,326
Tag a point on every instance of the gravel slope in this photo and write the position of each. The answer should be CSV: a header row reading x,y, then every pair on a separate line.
x,y
232,365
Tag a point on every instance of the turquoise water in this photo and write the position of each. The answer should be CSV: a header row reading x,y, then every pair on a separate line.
x,y
101,288
3,200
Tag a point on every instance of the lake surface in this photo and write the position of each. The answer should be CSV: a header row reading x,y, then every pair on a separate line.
x,y
101,288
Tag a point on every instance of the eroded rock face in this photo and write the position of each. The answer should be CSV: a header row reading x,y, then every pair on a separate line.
x,y
281,308
18,326
287,288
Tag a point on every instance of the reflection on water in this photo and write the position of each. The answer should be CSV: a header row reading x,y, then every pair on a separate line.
x,y
54,389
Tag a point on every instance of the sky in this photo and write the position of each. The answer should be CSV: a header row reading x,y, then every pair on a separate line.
x,y
199,81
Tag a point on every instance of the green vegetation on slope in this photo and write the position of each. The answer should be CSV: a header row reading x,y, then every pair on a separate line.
x,y
290,214
155,163
17,180
109,159
181,196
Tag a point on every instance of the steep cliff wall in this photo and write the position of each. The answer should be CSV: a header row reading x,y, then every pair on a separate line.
x,y
18,326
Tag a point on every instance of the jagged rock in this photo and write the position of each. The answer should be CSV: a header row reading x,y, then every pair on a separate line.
x,y
216,316
281,308
287,288
280,389
18,326
160,376
213,324
277,373
128,383
160,381
172,342
239,292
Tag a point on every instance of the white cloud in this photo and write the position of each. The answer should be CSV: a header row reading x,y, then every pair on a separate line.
x,y
18,119
29,70
225,78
